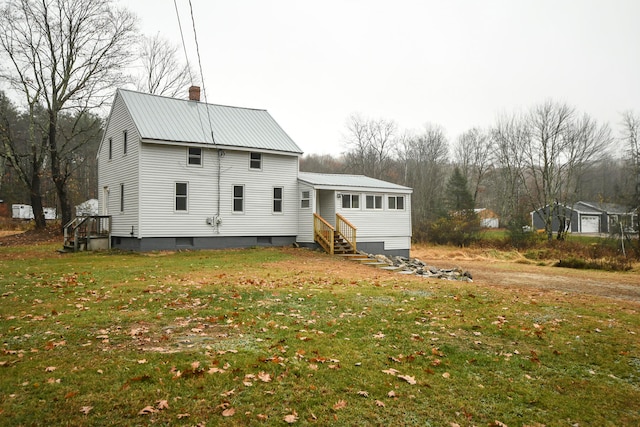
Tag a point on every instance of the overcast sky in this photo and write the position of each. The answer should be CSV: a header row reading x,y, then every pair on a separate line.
x,y
455,63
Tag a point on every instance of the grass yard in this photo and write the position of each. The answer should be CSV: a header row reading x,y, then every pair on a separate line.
x,y
277,336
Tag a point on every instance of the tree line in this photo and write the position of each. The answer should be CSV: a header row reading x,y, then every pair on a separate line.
x,y
61,60
550,154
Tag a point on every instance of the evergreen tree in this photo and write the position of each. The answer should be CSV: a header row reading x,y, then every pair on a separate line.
x,y
458,197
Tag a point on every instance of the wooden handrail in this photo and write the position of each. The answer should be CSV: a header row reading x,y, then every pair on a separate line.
x,y
323,233
346,230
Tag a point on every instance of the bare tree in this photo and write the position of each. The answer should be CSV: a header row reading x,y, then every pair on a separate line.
x,y
66,55
631,137
161,72
424,157
546,153
370,145
473,156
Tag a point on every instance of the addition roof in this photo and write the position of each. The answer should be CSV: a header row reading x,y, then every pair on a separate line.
x,y
347,182
164,119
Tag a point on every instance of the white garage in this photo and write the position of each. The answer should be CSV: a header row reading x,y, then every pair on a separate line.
x,y
590,224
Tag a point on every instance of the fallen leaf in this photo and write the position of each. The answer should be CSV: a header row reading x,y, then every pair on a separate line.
x,y
291,418
181,416
228,393
142,361
264,377
363,393
391,394
162,404
391,371
262,417
380,403
86,409
50,369
407,378
446,375
147,410
230,412
340,404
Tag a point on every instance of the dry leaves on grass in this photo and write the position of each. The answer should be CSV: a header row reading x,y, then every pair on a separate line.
x,y
291,418
229,412
86,409
340,404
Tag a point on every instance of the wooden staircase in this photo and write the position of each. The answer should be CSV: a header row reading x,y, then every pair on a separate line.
x,y
338,240
87,233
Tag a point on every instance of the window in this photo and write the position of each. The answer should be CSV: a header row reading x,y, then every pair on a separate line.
x,y
396,202
305,200
110,148
373,202
238,198
121,197
124,141
350,201
277,199
255,161
181,196
194,156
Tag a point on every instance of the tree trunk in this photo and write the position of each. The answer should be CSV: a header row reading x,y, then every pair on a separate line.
x,y
36,201
58,175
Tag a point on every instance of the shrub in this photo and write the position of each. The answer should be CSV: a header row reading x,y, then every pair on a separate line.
x,y
460,229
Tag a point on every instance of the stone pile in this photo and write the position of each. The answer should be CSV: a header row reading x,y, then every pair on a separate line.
x,y
420,268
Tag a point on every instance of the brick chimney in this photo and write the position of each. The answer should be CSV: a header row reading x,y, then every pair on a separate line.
x,y
194,93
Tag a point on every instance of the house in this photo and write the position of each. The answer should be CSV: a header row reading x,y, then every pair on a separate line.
x,y
488,218
586,217
182,174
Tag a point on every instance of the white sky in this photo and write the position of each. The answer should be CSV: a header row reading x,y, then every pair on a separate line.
x,y
456,63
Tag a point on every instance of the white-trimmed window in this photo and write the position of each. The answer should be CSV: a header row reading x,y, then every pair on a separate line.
x,y
396,203
373,201
238,198
194,156
305,199
350,201
121,197
124,142
277,199
182,189
255,161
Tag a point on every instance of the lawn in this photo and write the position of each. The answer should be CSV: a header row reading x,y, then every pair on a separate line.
x,y
276,336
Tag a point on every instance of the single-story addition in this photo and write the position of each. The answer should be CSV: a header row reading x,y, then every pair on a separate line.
x,y
183,174
586,217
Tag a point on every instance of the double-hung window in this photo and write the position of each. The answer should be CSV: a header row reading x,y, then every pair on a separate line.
x,y
194,156
373,201
255,161
181,196
350,201
238,198
305,199
277,199
396,203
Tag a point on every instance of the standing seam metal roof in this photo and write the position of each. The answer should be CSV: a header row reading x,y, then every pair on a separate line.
x,y
343,180
180,120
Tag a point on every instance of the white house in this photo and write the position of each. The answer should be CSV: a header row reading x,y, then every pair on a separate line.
x,y
176,173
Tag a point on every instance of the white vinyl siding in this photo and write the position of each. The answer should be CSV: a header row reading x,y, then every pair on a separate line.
x,y
160,166
120,170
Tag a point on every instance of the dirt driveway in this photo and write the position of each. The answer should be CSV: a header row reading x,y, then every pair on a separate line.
x,y
518,272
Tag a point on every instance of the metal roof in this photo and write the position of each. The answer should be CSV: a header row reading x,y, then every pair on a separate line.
x,y
179,120
341,181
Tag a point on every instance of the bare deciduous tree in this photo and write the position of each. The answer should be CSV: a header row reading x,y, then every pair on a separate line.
x,y
370,145
424,158
473,156
161,72
546,152
631,137
66,55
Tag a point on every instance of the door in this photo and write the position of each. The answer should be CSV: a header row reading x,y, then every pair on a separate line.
x,y
590,224
105,201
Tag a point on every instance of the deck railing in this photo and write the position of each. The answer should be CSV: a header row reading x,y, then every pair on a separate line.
x,y
323,233
346,230
81,229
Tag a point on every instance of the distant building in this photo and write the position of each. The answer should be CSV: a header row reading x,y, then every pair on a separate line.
x,y
586,217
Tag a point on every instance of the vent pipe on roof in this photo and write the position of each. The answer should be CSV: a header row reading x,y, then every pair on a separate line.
x,y
194,93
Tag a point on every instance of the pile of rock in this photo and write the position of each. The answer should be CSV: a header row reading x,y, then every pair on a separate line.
x,y
420,268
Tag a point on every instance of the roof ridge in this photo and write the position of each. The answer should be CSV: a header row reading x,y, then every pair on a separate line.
x,y
187,100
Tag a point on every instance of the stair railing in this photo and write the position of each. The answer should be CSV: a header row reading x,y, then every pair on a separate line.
x,y
86,227
347,230
323,233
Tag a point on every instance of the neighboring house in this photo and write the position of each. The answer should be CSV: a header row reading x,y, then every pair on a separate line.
x,y
176,173
488,218
587,217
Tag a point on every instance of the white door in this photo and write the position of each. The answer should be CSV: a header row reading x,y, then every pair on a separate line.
x,y
105,201
590,223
